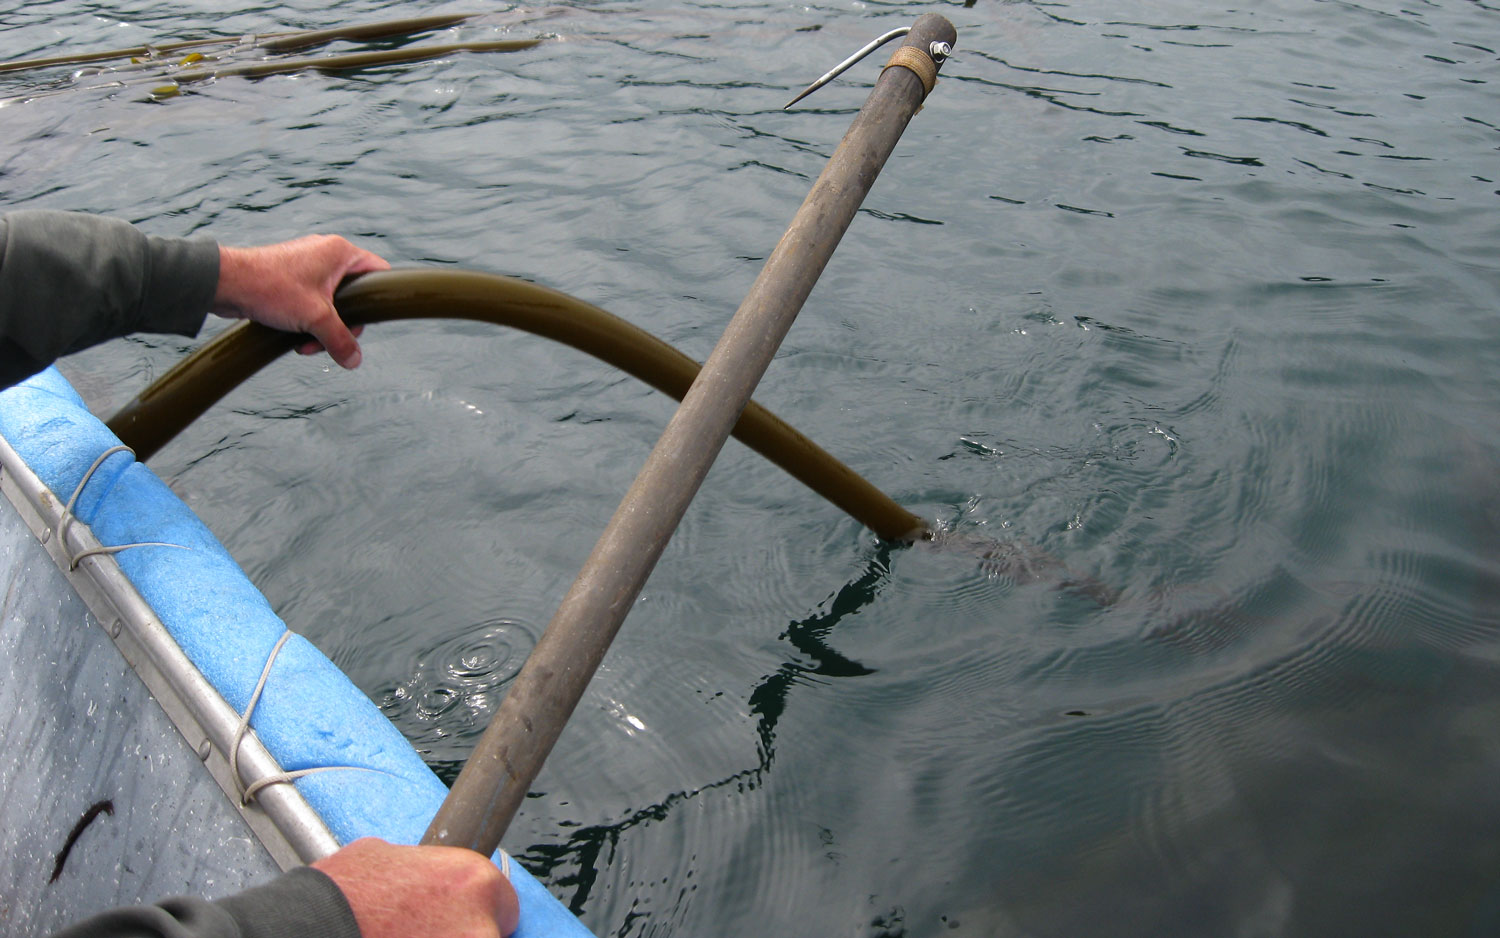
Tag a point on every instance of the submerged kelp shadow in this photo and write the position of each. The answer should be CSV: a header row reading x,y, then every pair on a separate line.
x,y
1022,562
575,863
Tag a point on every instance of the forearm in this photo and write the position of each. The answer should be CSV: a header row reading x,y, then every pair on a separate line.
x,y
68,281
304,903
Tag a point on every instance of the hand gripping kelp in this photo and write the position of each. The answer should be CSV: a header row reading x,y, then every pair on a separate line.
x,y
186,391
156,415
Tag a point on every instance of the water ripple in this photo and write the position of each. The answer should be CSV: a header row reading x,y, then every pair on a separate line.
x,y
453,687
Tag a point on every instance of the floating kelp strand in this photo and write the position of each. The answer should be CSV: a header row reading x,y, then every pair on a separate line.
x,y
141,53
293,42
331,63
354,60
271,42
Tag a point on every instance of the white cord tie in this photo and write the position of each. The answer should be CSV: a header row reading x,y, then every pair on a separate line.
x,y
68,517
249,790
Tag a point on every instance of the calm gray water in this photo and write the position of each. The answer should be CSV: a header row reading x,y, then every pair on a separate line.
x,y
1200,300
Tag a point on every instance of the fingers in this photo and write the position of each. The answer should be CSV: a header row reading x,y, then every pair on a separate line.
x,y
343,259
346,260
362,262
336,338
507,905
313,347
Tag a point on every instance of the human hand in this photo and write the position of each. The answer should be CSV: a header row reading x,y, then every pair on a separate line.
x,y
289,286
397,892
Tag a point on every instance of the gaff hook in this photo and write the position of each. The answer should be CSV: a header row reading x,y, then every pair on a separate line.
x,y
938,50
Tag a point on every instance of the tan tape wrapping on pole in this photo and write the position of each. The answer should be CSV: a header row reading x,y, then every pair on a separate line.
x,y
919,62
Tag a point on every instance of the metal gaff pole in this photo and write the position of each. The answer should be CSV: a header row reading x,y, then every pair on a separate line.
x,y
489,790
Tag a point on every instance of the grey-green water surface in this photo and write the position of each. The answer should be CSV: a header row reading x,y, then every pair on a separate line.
x,y
1200,299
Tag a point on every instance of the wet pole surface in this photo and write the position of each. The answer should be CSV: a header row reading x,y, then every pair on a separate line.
x,y
489,790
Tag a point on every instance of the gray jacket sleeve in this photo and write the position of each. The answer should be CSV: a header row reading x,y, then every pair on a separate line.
x,y
68,281
303,903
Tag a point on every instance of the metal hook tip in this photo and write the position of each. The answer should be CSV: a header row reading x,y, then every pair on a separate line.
x,y
843,66
805,92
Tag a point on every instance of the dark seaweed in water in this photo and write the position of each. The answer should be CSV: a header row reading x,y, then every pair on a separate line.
x,y
1198,300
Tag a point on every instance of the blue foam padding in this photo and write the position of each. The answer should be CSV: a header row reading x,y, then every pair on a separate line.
x,y
310,713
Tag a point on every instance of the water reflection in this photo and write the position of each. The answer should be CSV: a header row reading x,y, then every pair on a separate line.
x,y
576,861
455,686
